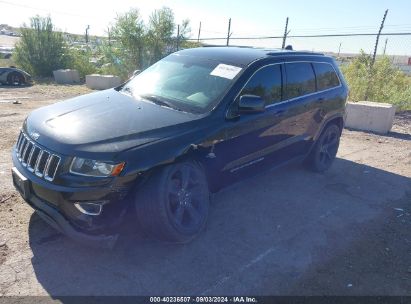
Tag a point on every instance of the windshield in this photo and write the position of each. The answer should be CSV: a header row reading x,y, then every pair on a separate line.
x,y
183,83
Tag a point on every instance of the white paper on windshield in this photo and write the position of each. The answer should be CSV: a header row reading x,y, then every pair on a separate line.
x,y
225,71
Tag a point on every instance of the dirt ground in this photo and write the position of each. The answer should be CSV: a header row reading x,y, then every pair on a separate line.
x,y
8,41
284,232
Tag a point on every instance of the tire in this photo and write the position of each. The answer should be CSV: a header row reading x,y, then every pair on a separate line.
x,y
15,78
172,205
323,153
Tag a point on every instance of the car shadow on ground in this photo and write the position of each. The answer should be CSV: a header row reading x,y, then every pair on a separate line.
x,y
263,236
399,135
392,134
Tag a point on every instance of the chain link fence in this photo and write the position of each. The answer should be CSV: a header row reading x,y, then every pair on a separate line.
x,y
382,83
397,46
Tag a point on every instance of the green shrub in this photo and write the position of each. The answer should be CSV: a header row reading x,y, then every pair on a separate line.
x,y
386,82
41,49
135,45
80,60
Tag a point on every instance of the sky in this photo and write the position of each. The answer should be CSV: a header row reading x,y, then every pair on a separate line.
x,y
249,19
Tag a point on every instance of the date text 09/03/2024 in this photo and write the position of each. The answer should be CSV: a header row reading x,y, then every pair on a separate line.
x,y
203,299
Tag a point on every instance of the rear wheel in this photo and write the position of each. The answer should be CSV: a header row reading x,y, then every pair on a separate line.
x,y
173,203
15,78
325,150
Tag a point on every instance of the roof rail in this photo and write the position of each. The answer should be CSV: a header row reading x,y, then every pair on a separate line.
x,y
232,46
282,53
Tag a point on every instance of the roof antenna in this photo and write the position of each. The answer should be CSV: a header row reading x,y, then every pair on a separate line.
x,y
289,47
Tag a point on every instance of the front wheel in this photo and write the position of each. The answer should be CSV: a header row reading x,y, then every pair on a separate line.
x,y
173,203
323,154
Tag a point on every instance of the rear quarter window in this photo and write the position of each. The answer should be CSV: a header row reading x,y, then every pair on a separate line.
x,y
300,79
326,76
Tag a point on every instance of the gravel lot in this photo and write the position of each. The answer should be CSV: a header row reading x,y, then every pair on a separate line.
x,y
284,232
8,41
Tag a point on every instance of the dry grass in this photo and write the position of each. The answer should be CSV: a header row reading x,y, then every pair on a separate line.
x,y
44,91
5,63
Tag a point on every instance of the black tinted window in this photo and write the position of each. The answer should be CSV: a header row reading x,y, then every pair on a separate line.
x,y
300,79
266,83
326,76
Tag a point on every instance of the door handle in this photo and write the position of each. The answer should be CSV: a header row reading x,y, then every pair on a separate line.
x,y
321,99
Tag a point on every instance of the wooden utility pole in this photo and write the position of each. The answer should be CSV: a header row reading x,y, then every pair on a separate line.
x,y
87,28
286,32
339,49
374,56
199,32
229,31
178,37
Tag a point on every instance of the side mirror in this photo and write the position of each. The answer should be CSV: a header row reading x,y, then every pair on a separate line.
x,y
251,104
136,72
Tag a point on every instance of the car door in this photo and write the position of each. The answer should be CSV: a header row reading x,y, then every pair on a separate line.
x,y
248,140
301,109
329,95
279,133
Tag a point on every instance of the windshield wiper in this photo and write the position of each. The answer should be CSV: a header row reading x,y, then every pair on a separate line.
x,y
160,101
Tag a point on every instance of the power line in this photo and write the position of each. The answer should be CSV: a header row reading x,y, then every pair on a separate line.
x,y
308,36
307,31
321,31
42,9
405,27
353,27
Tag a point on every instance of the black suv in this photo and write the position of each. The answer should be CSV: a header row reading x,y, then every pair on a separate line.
x,y
156,146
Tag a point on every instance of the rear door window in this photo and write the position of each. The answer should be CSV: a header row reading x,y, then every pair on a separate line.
x,y
266,83
326,76
300,79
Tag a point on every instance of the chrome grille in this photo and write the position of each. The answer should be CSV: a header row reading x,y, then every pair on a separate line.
x,y
37,160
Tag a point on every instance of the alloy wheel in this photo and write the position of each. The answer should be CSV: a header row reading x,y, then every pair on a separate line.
x,y
186,198
329,146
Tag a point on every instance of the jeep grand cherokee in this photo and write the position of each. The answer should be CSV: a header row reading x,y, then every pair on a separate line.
x,y
157,145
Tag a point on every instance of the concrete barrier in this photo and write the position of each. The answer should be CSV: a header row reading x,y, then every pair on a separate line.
x,y
102,82
370,116
66,76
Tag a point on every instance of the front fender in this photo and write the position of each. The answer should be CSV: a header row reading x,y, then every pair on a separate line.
x,y
194,145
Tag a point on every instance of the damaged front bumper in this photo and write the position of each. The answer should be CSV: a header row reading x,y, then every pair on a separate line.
x,y
58,222
61,206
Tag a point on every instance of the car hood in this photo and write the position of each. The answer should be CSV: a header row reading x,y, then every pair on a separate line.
x,y
106,121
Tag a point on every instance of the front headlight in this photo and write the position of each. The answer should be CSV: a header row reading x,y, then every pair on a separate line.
x,y
89,167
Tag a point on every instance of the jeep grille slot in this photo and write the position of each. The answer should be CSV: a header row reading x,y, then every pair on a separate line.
x,y
37,160
51,167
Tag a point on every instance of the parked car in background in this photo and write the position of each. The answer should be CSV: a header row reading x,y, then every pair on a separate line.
x,y
190,124
14,76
